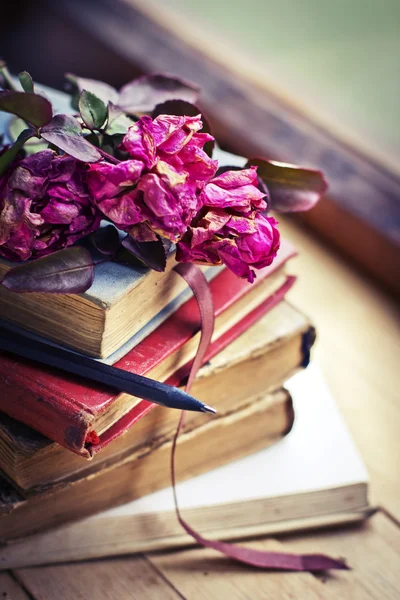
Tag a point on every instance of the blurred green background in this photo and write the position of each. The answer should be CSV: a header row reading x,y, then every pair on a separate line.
x,y
340,59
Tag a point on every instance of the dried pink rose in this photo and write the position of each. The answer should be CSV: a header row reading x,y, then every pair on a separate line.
x,y
45,205
235,190
157,190
230,228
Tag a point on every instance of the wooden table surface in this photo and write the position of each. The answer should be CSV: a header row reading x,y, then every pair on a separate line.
x,y
358,350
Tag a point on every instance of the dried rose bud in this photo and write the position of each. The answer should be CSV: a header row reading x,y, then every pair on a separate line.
x,y
45,205
231,230
159,186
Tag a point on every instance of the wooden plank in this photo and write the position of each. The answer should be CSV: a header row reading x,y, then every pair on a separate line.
x,y
372,551
10,589
358,347
205,575
127,579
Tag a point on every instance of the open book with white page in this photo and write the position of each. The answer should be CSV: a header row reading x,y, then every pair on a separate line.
x,y
313,477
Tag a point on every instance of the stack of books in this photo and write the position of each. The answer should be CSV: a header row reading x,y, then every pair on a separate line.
x,y
70,448
312,478
85,470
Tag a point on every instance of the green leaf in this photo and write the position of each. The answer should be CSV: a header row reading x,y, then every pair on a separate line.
x,y
68,271
65,132
26,81
7,79
31,107
117,121
102,90
33,145
93,110
143,94
291,188
8,156
187,109
111,145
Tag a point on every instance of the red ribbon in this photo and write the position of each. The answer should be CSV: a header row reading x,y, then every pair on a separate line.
x,y
257,558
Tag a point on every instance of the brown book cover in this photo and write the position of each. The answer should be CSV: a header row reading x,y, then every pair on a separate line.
x,y
260,423
261,359
296,484
86,416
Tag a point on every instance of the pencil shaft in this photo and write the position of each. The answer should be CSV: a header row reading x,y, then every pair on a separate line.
x,y
123,381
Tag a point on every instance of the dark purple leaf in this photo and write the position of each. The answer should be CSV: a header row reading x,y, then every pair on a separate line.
x,y
106,240
144,93
187,109
26,81
291,188
8,156
68,271
31,107
102,90
65,132
93,110
152,254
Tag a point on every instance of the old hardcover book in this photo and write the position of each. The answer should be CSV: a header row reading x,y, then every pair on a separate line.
x,y
85,417
120,302
312,478
261,359
261,422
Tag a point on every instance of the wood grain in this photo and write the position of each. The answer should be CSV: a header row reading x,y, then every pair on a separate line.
x,y
134,579
10,589
372,551
203,575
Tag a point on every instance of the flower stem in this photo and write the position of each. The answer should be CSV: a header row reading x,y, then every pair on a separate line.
x,y
108,157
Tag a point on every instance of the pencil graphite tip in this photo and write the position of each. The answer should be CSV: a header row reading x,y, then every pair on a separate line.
x,y
208,409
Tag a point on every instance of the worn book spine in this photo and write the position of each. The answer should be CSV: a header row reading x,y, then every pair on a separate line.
x,y
260,423
215,347
63,407
258,361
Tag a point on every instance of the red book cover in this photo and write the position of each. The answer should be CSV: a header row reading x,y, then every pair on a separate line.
x,y
63,407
